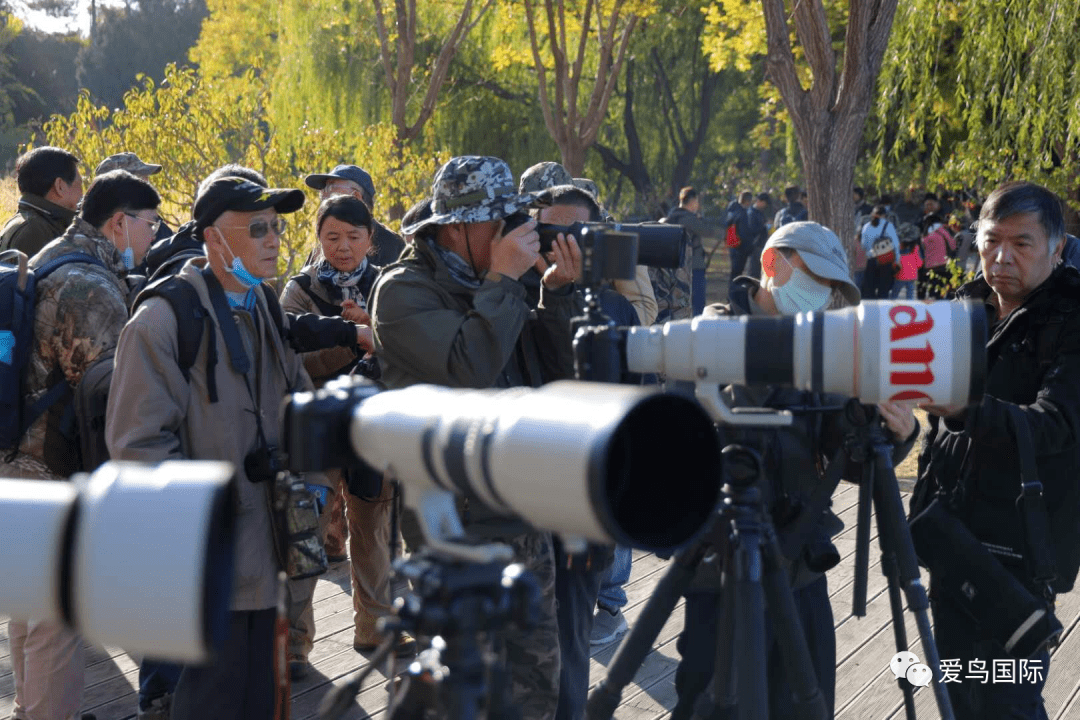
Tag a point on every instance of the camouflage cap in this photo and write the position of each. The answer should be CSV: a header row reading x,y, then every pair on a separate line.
x,y
470,189
543,175
126,161
588,186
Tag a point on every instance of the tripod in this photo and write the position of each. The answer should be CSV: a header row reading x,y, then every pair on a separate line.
x,y
754,581
465,607
867,445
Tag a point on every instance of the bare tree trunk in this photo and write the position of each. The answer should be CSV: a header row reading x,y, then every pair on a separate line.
x,y
828,118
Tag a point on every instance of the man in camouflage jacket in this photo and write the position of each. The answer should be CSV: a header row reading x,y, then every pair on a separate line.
x,y
79,312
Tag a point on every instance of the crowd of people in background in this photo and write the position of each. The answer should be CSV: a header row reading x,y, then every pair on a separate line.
x,y
202,351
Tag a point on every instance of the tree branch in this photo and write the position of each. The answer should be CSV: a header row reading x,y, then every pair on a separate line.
x,y
384,45
598,107
665,85
550,120
780,62
812,28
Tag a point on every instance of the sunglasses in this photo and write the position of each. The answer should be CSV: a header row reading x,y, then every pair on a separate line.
x,y
155,225
260,228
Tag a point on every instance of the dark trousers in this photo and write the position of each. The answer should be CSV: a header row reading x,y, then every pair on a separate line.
x,y
877,281
697,647
697,291
959,638
739,256
156,679
576,590
238,685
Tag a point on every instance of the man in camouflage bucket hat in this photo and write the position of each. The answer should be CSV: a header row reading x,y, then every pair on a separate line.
x,y
453,311
544,175
127,161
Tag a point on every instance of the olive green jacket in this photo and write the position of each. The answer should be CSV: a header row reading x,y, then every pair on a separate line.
x,y
37,223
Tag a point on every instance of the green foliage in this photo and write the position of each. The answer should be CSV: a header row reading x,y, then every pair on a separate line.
x,y
981,91
947,283
192,125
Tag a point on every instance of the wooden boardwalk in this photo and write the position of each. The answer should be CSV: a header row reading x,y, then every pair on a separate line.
x,y
864,686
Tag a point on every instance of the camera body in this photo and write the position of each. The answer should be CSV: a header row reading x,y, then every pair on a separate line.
x,y
612,251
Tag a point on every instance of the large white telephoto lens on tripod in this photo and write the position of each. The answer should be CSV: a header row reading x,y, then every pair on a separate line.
x,y
133,556
609,463
877,351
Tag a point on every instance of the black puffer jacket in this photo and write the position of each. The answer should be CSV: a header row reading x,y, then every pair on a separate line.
x,y
974,459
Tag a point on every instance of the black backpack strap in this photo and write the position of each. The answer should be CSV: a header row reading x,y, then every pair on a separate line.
x,y
191,320
327,309
1034,517
42,272
274,307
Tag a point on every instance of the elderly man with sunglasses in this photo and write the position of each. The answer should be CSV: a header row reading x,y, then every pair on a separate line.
x,y
225,408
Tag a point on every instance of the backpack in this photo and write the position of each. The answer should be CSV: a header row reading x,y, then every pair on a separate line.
x,y
192,319
17,305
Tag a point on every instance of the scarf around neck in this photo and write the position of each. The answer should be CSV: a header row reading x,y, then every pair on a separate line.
x,y
343,286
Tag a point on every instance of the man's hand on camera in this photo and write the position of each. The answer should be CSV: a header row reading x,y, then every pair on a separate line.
x,y
562,265
514,253
899,418
365,338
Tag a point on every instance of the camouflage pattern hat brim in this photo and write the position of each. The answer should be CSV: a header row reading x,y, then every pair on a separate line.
x,y
542,176
126,161
471,189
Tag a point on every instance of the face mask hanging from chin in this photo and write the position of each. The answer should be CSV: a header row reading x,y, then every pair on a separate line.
x,y
801,293
236,268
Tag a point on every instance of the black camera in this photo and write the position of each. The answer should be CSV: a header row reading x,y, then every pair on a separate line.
x,y
263,464
611,251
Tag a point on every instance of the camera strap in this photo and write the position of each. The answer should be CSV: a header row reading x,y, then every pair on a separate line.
x,y
794,535
1034,517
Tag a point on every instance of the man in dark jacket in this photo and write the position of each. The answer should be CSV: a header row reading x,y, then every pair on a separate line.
x,y
452,311
794,211
51,188
688,214
971,457
805,269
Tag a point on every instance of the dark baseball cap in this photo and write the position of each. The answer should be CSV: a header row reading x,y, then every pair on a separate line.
x,y
233,193
344,172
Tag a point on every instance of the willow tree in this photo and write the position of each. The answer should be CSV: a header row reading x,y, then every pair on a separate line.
x,y
823,57
983,91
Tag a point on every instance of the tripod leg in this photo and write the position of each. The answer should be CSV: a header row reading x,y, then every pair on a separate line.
x,y
862,541
749,618
809,702
892,577
895,538
639,641
718,699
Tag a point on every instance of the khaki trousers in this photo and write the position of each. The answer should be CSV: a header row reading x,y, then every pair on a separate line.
x,y
367,524
49,665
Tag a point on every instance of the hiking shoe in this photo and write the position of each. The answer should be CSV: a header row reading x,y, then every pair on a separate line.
x,y
406,646
607,626
160,708
298,668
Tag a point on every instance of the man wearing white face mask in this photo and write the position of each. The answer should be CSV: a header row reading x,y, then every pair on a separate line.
x,y
804,269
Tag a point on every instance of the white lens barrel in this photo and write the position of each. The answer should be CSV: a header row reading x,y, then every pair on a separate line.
x,y
133,556
877,351
142,557
34,517
605,462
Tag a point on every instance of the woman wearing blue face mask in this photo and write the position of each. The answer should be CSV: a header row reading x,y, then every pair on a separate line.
x,y
804,269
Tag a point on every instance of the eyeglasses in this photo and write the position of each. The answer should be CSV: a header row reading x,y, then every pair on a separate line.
x,y
155,225
259,229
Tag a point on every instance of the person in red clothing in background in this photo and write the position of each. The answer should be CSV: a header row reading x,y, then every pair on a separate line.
x,y
910,262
